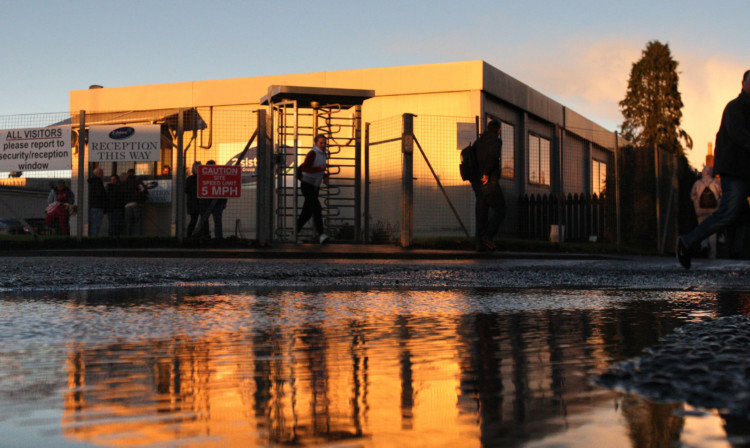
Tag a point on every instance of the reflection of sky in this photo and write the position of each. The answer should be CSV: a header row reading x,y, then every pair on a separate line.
x,y
387,368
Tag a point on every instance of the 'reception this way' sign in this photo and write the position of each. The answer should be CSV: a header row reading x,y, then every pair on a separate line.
x,y
219,181
35,149
137,143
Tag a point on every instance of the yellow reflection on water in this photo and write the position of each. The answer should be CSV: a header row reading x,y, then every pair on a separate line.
x,y
415,369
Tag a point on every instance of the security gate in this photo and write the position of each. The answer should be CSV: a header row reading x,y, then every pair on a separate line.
x,y
298,114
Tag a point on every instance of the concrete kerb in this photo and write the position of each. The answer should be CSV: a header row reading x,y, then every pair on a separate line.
x,y
304,251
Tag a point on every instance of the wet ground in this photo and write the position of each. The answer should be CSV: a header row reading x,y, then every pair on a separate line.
x,y
185,352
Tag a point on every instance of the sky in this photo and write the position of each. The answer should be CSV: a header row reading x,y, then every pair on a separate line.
x,y
578,53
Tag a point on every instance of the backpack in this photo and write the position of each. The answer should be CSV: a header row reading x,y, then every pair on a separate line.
x,y
707,198
468,167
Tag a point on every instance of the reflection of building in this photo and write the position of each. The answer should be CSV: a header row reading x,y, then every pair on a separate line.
x,y
296,370
547,147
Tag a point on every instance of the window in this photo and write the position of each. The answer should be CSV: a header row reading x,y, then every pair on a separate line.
x,y
507,161
539,160
508,157
598,177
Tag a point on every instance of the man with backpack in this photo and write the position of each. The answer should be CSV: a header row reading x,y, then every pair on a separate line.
x,y
732,163
705,194
484,174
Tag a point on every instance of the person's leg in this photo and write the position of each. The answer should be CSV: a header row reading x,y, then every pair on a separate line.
x,y
129,220
191,224
317,211
139,212
96,215
481,215
496,201
733,200
308,191
218,229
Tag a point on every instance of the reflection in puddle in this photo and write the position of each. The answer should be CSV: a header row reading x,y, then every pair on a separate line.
x,y
356,368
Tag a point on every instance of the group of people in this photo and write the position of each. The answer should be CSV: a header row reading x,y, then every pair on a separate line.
x,y
197,207
121,200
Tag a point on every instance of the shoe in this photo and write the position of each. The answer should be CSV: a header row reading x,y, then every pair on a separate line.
x,y
683,254
324,238
488,244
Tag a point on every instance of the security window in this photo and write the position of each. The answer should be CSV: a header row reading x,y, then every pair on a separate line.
x,y
539,160
598,177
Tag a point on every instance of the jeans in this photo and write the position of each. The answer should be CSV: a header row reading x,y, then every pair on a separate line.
x,y
490,209
218,226
96,215
134,220
311,208
733,204
116,221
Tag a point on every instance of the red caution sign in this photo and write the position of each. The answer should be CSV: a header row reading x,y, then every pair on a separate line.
x,y
218,181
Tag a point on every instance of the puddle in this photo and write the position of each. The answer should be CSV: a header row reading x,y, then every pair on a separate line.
x,y
215,366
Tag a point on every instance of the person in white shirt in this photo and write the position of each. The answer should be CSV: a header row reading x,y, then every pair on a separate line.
x,y
313,175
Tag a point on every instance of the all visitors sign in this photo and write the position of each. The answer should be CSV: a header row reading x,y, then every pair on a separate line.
x,y
137,143
35,149
218,181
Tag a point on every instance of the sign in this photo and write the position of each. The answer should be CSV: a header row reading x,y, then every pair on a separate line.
x,y
159,191
219,181
35,149
465,134
137,143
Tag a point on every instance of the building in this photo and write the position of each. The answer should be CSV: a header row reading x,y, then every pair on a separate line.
x,y
547,148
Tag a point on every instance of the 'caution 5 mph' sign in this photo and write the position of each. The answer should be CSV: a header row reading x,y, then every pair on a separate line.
x,y
218,181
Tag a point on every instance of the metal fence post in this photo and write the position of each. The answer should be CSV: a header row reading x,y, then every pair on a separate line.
x,y
367,184
264,183
179,188
82,201
617,192
407,181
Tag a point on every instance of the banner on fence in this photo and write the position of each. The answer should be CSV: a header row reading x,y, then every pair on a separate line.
x,y
137,143
35,149
218,181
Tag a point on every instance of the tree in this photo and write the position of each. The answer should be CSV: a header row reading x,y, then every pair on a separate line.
x,y
653,105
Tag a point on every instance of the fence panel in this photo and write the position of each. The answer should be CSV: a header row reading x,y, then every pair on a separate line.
x,y
442,138
383,154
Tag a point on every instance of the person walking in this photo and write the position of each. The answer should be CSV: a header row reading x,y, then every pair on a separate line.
x,y
97,201
313,175
706,194
490,205
732,164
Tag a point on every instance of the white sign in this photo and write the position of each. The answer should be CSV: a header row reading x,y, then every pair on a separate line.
x,y
35,149
141,143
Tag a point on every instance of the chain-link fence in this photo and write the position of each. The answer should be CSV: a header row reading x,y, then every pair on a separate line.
x,y
118,194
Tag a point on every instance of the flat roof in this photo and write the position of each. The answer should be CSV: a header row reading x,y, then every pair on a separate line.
x,y
323,95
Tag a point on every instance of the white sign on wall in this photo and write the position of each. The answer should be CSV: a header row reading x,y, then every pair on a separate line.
x,y
137,143
35,149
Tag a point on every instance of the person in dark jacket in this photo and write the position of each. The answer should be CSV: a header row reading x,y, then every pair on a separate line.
x,y
135,194
97,201
732,164
193,204
216,208
115,206
490,206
